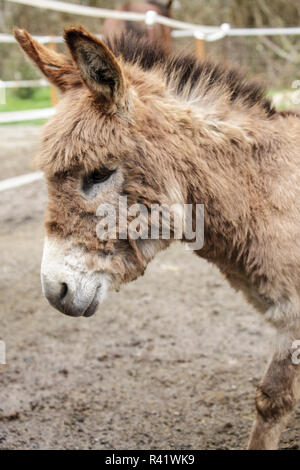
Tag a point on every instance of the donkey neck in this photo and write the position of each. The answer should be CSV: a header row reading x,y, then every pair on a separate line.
x,y
224,168
225,153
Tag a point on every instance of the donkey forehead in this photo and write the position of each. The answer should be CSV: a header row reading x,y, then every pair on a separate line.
x,y
80,136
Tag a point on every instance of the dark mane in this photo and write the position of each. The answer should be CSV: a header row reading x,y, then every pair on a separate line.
x,y
164,8
189,71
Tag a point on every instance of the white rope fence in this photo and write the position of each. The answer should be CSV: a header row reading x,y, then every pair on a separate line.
x,y
10,39
207,33
82,10
24,83
226,30
17,181
30,115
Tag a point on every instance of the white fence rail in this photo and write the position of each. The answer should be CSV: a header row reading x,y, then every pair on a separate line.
x,y
10,39
83,10
30,115
17,181
225,29
24,83
208,33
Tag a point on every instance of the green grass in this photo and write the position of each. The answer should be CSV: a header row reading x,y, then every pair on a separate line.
x,y
40,99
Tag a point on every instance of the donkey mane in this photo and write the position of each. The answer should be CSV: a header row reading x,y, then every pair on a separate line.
x,y
164,7
189,76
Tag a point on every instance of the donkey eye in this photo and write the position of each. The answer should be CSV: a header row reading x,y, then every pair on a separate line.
x,y
90,182
99,176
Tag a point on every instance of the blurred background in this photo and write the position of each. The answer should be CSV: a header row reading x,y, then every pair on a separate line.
x,y
275,59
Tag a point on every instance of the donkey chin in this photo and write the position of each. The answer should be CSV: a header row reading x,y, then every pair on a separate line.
x,y
67,283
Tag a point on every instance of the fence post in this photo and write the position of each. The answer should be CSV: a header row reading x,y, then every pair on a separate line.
x,y
225,27
2,93
53,91
200,45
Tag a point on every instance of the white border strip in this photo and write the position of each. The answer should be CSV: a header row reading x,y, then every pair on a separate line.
x,y
20,180
31,115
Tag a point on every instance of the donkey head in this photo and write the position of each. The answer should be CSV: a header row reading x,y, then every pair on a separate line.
x,y
108,140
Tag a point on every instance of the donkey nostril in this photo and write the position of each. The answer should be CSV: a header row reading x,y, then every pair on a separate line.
x,y
63,290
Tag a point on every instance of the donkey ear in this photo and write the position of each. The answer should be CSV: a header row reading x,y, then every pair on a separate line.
x,y
97,65
58,68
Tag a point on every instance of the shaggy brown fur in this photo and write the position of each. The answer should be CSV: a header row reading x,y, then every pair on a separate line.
x,y
176,131
187,74
157,33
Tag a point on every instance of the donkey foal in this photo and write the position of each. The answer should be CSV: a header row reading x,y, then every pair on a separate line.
x,y
135,122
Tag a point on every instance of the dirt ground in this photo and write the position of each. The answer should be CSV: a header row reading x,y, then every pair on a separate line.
x,y
170,362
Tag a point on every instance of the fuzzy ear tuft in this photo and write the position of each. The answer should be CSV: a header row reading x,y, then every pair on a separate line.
x,y
58,68
98,67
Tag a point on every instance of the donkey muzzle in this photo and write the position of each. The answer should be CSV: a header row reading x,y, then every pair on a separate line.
x,y
74,304
68,283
